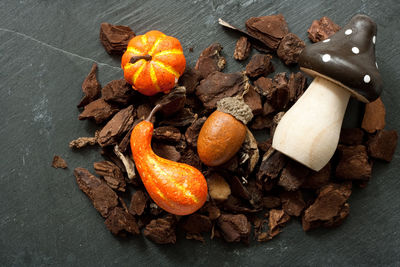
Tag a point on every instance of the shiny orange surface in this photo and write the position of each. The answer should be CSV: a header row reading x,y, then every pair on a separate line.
x,y
220,138
161,72
176,187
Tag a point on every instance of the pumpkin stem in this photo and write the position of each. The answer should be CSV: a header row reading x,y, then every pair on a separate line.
x,y
134,59
155,109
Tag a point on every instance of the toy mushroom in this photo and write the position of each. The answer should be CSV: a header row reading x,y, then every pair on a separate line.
x,y
342,65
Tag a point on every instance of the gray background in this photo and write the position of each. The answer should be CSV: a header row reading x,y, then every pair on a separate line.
x,y
46,50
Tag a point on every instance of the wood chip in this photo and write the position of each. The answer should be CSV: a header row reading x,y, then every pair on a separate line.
x,y
98,110
104,199
59,162
242,49
90,87
210,60
374,116
111,173
116,127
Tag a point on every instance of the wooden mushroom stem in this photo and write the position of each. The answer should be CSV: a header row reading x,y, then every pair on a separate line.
x,y
309,131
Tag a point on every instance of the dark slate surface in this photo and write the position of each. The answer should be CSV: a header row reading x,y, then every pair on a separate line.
x,y
47,48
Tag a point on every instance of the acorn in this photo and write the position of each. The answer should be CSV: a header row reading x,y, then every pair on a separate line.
x,y
224,131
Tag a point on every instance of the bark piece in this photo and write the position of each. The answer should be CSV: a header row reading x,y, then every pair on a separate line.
x,y
293,176
195,105
322,29
90,87
125,140
271,202
255,195
279,96
59,162
249,154
167,133
118,91
143,111
162,230
232,165
256,43
261,122
297,84
84,141
264,146
99,110
374,116
219,85
253,100
111,173
115,38
104,199
218,188
210,60
316,180
120,222
329,209
383,145
138,203
271,165
213,211
234,228
109,154
269,29
242,48
116,127
190,157
293,203
351,136
263,85
192,132
236,205
182,118
259,65
197,223
277,219
290,48
190,79
173,102
353,163
166,151
238,188
275,120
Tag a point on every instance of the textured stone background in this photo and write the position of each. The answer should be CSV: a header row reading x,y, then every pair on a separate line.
x,y
47,48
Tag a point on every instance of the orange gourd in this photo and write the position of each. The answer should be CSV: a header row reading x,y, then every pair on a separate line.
x,y
153,63
175,187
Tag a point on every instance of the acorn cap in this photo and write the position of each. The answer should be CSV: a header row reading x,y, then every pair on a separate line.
x,y
236,107
347,58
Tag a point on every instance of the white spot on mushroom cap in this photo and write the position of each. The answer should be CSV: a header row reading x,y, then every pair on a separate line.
x,y
367,78
326,40
348,31
355,50
374,39
326,58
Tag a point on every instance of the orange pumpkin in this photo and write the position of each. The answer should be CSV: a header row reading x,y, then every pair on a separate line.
x,y
153,62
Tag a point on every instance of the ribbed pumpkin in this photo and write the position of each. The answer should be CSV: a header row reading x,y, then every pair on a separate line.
x,y
153,63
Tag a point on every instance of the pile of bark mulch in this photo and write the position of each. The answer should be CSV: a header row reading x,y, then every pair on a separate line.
x,y
259,190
